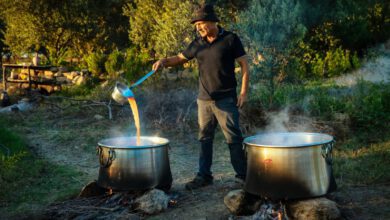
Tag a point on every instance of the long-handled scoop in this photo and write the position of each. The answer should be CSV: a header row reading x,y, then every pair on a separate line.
x,y
142,79
121,92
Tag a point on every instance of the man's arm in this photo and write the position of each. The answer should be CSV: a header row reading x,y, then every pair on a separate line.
x,y
170,61
243,62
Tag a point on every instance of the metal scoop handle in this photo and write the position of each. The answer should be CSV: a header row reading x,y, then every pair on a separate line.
x,y
142,79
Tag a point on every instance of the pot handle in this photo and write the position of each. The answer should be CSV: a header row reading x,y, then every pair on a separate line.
x,y
245,149
110,158
326,151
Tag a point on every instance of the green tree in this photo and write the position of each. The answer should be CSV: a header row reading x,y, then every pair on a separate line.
x,y
272,29
2,45
173,31
143,16
61,26
101,26
32,24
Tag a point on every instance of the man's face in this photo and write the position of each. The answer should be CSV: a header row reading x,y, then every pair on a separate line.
x,y
204,27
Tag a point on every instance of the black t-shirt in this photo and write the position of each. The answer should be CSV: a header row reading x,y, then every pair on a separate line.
x,y
216,64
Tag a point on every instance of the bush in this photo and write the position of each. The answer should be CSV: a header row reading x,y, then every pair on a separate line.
x,y
95,62
369,108
114,63
135,64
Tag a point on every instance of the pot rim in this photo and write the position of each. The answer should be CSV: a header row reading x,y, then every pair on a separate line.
x,y
274,139
126,142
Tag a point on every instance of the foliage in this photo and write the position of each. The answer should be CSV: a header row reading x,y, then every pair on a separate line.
x,y
228,11
162,31
143,16
329,48
114,63
102,26
272,29
176,33
366,104
321,56
57,27
369,108
95,62
2,45
135,64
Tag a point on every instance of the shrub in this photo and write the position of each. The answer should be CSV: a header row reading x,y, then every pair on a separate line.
x,y
369,108
114,63
135,63
95,62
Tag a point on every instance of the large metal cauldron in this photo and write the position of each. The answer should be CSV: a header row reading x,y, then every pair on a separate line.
x,y
289,165
124,165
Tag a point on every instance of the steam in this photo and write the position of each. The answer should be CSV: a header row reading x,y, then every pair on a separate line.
x,y
117,131
374,71
281,121
278,121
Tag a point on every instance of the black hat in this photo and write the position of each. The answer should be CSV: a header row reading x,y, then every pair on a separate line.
x,y
205,13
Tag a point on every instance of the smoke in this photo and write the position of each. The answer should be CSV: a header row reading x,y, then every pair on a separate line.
x,y
375,71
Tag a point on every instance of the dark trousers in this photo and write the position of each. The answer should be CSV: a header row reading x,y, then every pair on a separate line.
x,y
225,113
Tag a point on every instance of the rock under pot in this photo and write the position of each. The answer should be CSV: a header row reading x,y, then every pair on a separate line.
x,y
124,165
289,165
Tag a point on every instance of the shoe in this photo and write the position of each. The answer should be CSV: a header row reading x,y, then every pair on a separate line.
x,y
198,182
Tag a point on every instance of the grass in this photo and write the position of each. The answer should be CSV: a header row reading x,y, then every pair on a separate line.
x,y
360,163
27,182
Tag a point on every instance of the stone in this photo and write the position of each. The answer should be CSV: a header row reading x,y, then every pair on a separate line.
x,y
63,69
49,74
234,199
91,189
152,202
241,203
104,84
62,79
4,99
79,80
312,209
12,90
98,117
72,75
54,69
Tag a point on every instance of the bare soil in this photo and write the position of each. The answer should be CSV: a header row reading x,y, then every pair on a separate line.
x,y
70,140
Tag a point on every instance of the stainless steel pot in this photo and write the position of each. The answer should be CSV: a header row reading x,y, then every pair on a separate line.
x,y
124,165
121,93
288,165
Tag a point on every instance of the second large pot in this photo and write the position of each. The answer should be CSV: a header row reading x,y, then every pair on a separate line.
x,y
288,165
126,165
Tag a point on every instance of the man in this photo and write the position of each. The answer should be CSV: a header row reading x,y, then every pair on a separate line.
x,y
216,51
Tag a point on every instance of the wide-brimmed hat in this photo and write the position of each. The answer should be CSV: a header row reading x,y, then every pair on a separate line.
x,y
205,13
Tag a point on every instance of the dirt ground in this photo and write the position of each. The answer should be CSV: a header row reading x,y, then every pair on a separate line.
x,y
69,140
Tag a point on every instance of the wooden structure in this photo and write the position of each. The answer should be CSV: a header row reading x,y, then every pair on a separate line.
x,y
32,78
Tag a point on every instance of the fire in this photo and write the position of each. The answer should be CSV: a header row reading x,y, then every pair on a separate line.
x,y
134,109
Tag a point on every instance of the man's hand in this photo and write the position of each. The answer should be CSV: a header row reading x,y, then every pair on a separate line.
x,y
158,64
170,61
241,99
